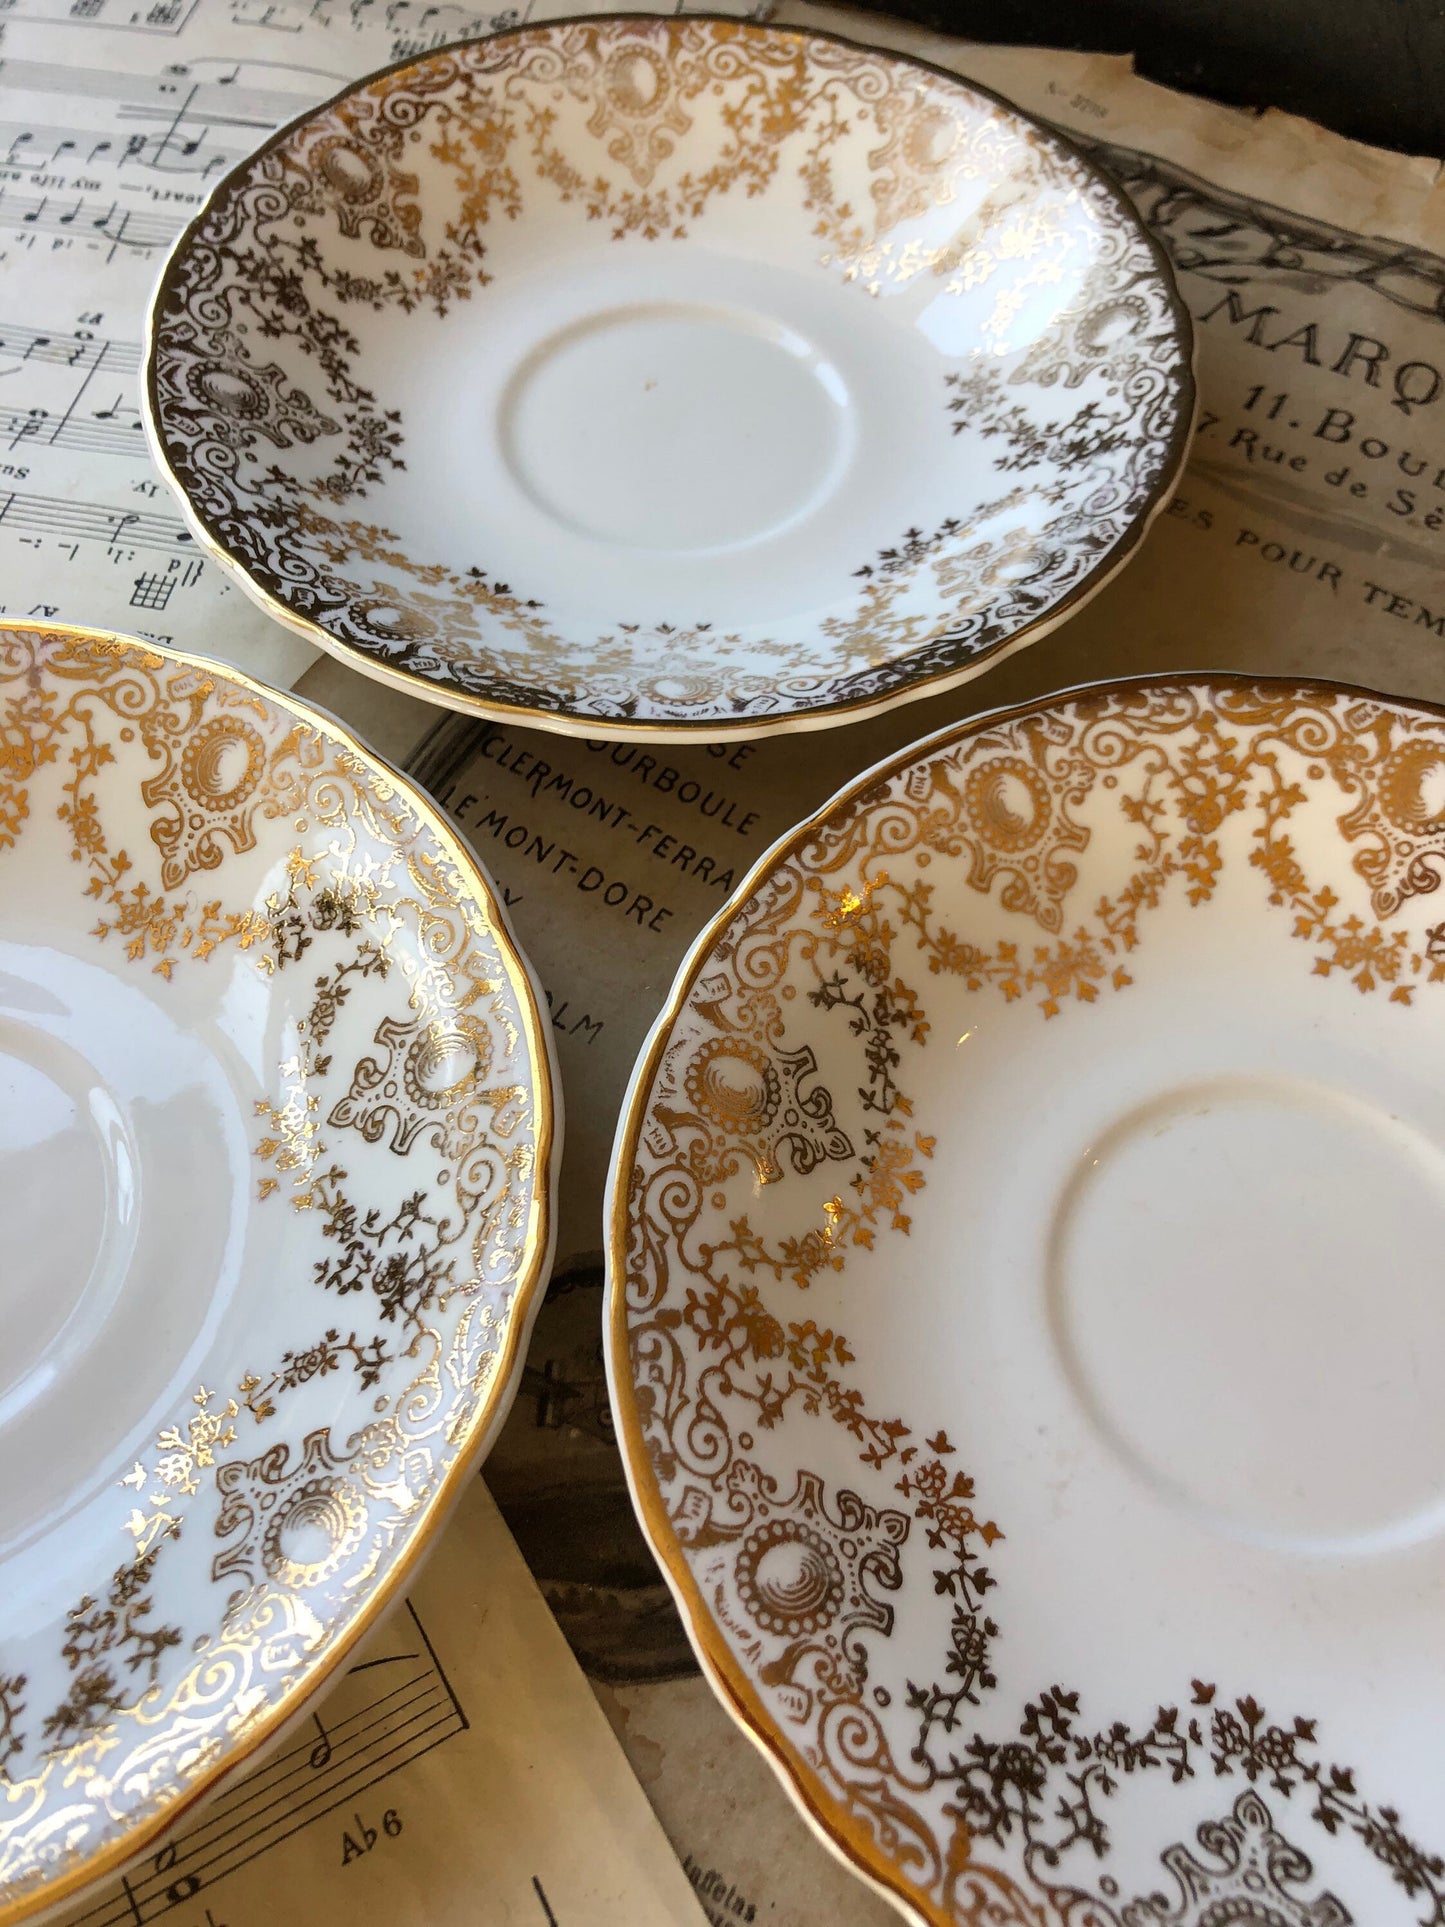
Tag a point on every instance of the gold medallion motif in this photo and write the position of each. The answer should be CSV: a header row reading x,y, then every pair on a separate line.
x,y
401,197
1029,859
206,839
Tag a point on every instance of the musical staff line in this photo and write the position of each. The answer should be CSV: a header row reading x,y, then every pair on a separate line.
x,y
391,1726
196,96
100,434
166,17
159,1893
140,229
41,148
416,26
268,1790
45,515
82,351
110,133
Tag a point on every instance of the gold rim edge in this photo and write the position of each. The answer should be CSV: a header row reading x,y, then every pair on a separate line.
x,y
530,1290
828,1819
619,729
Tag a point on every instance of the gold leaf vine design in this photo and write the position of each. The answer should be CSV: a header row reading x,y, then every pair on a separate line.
x,y
1011,808
491,114
95,729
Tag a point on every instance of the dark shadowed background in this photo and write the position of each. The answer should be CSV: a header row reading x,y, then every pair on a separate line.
x,y
1372,69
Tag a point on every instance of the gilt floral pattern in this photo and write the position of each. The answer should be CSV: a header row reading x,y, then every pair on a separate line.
x,y
212,841
273,374
1026,860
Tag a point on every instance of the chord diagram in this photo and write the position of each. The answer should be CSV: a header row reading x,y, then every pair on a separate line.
x,y
155,16
392,1707
152,591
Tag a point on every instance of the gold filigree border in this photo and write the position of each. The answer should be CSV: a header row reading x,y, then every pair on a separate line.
x,y
714,728
531,1285
848,1838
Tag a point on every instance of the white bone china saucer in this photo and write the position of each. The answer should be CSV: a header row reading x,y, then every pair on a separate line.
x,y
668,374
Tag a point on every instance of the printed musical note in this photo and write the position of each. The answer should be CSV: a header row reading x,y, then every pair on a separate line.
x,y
104,433
135,228
183,1887
42,516
119,409
80,350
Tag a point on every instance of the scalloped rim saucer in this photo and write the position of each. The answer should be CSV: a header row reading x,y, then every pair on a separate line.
x,y
278,1166
1021,1290
669,374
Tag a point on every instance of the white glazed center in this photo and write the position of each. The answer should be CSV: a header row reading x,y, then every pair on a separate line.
x,y
123,1179
67,1204
1230,1291
676,427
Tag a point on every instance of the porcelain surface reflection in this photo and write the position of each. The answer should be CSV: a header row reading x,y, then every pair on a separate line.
x,y
277,1144
1023,1307
669,373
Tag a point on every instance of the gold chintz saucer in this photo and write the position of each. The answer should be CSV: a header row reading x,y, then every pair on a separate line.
x,y
277,1156
1024,1300
669,374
